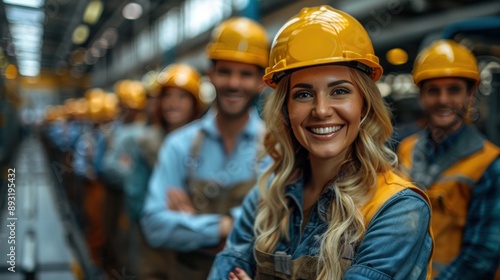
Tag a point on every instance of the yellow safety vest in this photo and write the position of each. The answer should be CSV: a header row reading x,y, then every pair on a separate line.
x,y
450,193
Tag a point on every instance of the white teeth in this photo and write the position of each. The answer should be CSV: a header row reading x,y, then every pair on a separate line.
x,y
325,130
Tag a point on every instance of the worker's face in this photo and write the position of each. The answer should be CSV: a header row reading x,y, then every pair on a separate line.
x,y
237,85
177,106
445,102
325,109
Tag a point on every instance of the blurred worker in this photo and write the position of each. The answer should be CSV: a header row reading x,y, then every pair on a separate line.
x,y
132,100
88,166
75,111
55,119
52,129
206,168
117,165
177,104
458,167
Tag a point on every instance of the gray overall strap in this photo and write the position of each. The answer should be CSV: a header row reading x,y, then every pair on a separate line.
x,y
194,155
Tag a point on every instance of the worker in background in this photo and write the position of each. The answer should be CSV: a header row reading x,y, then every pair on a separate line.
x,y
178,103
117,166
457,166
205,169
88,167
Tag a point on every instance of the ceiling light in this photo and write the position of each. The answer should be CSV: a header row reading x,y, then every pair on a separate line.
x,y
24,15
26,28
93,12
132,11
26,3
397,56
80,34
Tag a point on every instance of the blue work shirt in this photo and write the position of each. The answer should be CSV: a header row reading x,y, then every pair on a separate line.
x,y
184,232
144,153
397,244
88,158
55,132
116,169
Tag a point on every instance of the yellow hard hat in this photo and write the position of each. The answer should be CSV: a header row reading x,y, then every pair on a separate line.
x,y
182,76
136,96
50,113
95,101
93,92
110,106
55,113
81,108
239,39
132,94
70,107
120,89
445,58
321,35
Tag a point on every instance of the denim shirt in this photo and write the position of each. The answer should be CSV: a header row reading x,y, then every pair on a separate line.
x,y
397,243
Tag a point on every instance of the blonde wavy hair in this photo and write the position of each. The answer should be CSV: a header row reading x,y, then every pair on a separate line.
x,y
369,156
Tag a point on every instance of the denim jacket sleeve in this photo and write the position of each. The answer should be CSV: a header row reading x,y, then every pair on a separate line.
x,y
397,244
239,245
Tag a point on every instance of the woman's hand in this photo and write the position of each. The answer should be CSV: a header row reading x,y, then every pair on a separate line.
x,y
239,274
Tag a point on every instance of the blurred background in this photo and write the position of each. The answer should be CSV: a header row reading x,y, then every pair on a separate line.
x,y
55,51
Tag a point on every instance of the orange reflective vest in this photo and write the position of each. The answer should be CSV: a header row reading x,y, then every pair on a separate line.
x,y
449,184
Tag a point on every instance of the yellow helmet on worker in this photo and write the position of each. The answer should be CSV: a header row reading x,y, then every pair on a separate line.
x,y
182,76
321,35
131,94
445,58
239,39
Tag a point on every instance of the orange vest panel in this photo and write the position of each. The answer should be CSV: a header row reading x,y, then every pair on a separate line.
x,y
450,195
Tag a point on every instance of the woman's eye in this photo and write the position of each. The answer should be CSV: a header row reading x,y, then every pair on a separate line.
x,y
302,94
340,91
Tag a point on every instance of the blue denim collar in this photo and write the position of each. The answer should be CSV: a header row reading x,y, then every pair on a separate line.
x,y
295,192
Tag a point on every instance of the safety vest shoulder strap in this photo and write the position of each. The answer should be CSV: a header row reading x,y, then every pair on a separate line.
x,y
479,161
388,184
405,149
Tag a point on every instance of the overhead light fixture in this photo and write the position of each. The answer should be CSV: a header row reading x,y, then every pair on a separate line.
x,y
93,12
132,11
397,56
26,3
80,34
26,20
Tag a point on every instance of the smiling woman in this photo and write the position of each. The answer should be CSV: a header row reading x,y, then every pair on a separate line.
x,y
332,205
325,111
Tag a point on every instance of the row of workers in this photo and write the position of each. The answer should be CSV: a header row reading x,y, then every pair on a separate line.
x,y
310,190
